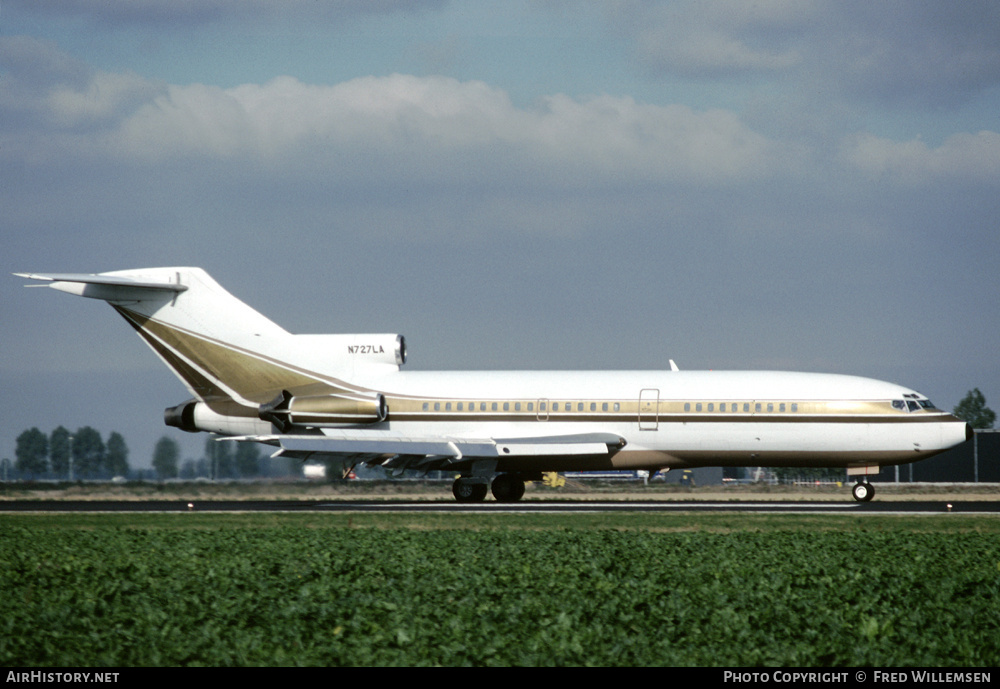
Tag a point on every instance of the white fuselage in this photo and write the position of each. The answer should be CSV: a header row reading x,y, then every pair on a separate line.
x,y
676,418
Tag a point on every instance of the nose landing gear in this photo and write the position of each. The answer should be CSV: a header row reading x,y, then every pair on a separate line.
x,y
863,491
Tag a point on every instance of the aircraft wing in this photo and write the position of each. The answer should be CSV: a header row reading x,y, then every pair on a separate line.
x,y
429,453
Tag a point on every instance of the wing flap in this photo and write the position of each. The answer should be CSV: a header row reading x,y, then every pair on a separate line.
x,y
360,445
385,445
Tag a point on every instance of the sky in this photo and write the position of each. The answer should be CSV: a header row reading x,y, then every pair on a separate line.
x,y
810,185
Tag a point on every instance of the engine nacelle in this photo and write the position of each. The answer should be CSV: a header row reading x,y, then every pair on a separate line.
x,y
181,416
288,410
228,418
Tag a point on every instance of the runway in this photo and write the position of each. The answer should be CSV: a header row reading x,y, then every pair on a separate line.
x,y
524,507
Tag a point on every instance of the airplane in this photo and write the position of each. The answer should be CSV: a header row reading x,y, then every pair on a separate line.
x,y
344,398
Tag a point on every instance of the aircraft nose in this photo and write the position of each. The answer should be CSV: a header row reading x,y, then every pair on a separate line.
x,y
954,431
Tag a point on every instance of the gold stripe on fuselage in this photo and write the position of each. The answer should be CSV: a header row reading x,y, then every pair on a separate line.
x,y
203,362
668,411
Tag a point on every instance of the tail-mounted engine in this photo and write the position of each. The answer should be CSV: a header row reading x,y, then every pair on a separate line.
x,y
287,410
182,417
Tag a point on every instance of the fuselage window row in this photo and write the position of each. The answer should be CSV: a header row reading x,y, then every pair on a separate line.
x,y
546,407
568,407
519,406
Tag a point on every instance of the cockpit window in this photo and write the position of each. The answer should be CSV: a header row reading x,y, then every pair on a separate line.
x,y
913,403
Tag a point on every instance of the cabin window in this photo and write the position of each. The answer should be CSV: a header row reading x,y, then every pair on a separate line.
x,y
722,406
517,406
437,406
447,406
697,407
617,406
541,406
770,407
494,406
604,407
593,406
531,406
711,406
579,406
781,407
427,405
795,406
756,407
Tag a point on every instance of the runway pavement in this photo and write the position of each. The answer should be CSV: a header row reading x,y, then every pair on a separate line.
x,y
490,507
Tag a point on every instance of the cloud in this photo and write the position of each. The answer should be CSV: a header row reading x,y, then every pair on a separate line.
x,y
963,156
928,52
188,13
433,126
388,128
49,89
720,39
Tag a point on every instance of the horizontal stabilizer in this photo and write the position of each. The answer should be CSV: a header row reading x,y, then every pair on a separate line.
x,y
109,287
93,279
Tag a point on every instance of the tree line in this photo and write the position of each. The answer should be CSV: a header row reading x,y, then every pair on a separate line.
x,y
84,455
222,460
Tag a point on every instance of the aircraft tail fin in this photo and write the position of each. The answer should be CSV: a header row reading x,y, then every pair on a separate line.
x,y
232,359
217,345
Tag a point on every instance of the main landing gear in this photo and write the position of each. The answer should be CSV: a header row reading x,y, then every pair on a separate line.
x,y
469,490
863,491
506,488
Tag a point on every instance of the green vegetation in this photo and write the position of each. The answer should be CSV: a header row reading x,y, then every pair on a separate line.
x,y
358,589
973,409
83,454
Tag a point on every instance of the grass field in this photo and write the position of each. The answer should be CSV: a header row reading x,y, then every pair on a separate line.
x,y
392,589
